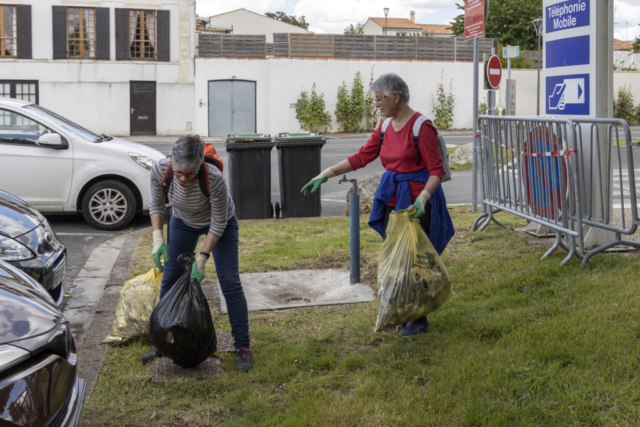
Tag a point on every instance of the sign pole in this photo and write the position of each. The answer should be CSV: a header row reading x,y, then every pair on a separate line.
x,y
476,59
475,12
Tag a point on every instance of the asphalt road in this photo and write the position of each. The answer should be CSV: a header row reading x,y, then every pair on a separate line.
x,y
458,190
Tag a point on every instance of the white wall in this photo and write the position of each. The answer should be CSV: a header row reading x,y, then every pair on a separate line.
x,y
370,28
279,82
245,22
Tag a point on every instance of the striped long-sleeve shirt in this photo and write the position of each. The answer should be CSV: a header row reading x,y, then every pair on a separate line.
x,y
189,203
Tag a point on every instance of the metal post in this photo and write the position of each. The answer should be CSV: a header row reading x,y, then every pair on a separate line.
x,y
539,61
476,145
354,229
537,24
354,233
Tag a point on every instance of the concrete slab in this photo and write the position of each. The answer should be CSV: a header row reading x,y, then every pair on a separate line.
x,y
86,292
300,288
103,258
165,369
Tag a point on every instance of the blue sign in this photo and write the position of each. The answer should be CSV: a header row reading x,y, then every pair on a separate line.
x,y
567,52
568,95
566,15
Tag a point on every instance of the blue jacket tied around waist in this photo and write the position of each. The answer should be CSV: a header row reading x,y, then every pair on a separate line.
x,y
441,226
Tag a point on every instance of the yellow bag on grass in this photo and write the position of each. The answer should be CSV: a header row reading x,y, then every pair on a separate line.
x,y
412,278
138,298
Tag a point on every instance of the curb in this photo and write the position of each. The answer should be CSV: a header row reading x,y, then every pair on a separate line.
x,y
92,314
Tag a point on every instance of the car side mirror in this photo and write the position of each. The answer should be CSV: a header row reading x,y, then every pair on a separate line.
x,y
52,140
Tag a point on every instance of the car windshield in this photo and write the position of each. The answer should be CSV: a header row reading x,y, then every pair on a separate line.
x,y
67,125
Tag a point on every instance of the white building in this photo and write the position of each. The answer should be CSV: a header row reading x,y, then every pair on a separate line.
x,y
404,27
245,22
115,67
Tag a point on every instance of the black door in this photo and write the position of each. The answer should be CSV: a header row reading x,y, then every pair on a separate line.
x,y
143,108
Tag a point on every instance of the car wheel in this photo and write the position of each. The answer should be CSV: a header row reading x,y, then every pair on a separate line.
x,y
109,205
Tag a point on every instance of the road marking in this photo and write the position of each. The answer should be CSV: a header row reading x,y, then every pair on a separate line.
x,y
82,234
334,200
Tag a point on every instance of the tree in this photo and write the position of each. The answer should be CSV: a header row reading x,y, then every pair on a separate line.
x,y
636,45
509,21
289,19
358,29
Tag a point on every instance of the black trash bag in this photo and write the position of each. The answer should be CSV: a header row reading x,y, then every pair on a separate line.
x,y
181,326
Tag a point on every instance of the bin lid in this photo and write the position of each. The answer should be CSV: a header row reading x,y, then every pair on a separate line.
x,y
248,137
290,139
297,136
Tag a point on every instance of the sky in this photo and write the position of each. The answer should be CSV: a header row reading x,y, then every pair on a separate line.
x,y
332,16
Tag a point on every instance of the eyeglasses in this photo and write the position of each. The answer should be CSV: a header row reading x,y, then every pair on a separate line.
x,y
380,99
178,173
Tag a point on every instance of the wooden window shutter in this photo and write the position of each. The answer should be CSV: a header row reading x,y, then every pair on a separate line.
x,y
164,36
59,32
24,32
122,34
102,33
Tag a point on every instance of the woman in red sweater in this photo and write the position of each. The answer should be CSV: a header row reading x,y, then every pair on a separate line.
x,y
412,176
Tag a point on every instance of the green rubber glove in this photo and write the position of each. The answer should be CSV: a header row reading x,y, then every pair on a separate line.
x,y
196,272
313,185
419,209
160,251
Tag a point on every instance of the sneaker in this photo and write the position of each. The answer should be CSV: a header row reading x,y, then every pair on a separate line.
x,y
415,327
151,355
245,360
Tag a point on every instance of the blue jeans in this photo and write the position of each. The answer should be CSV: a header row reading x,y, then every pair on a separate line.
x,y
225,255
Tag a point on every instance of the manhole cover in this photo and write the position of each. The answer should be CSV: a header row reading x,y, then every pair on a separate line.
x,y
165,369
225,341
297,300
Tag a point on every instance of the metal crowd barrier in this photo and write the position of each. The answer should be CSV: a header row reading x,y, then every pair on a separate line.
x,y
609,170
529,167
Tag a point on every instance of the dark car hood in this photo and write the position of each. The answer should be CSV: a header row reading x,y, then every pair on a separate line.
x,y
17,217
25,308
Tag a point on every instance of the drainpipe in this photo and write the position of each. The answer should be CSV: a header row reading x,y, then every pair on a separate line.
x,y
354,229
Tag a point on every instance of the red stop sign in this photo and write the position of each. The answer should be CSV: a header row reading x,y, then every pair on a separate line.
x,y
494,71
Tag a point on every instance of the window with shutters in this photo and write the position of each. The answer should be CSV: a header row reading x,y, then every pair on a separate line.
x,y
8,32
142,34
81,32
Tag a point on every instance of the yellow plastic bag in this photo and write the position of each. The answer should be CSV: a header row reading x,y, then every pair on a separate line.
x,y
138,298
412,278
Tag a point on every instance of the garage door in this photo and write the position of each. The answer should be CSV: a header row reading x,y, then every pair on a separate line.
x,y
232,107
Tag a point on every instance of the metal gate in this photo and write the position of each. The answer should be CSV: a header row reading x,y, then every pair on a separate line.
x,y
232,107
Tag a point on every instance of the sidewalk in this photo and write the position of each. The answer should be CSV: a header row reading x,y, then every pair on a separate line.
x,y
327,136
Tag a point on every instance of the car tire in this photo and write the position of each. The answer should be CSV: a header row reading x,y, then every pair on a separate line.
x,y
109,205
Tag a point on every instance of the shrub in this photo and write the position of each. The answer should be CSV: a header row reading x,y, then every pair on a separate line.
x,y
443,106
623,105
350,109
311,113
371,115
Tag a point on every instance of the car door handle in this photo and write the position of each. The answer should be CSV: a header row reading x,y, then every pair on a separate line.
x,y
132,110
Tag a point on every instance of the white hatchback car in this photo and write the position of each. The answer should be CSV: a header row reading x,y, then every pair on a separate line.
x,y
57,166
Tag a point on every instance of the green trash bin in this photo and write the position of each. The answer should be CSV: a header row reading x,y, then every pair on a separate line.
x,y
298,162
250,174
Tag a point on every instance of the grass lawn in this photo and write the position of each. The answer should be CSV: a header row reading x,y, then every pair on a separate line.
x,y
522,342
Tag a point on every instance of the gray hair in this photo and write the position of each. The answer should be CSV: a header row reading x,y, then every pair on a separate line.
x,y
188,152
389,84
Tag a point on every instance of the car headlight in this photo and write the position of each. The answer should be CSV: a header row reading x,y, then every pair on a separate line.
x,y
10,356
143,161
11,250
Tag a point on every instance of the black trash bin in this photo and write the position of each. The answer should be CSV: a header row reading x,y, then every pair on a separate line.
x,y
298,163
250,174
